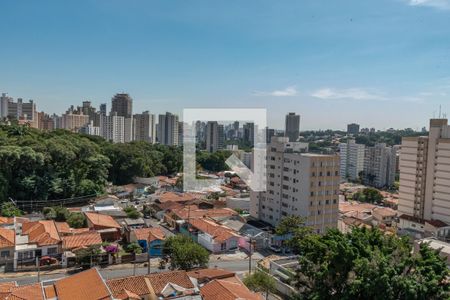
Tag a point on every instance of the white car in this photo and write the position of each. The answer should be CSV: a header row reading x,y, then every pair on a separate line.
x,y
275,248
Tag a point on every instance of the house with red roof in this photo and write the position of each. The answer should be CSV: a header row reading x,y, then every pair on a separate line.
x,y
108,228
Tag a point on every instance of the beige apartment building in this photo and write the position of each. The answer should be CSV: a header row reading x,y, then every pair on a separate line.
x,y
299,184
425,174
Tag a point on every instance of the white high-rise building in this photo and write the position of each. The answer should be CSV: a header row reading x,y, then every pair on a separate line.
x,y
129,128
214,136
145,127
352,160
298,184
379,166
168,129
90,129
425,174
112,128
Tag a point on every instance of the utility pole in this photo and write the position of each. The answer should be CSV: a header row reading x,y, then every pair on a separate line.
x,y
39,269
149,261
250,257
134,268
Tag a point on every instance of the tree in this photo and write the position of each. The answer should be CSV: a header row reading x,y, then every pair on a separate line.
x,y
292,229
85,256
77,220
134,248
132,212
261,282
57,213
369,195
184,253
367,264
8,209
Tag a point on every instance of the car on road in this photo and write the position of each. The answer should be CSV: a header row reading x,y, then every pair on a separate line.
x,y
275,248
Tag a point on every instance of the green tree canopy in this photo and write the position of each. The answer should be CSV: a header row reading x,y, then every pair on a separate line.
x,y
76,220
8,209
367,264
261,282
184,253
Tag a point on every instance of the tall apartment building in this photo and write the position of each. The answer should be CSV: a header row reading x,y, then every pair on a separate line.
x,y
425,174
112,128
214,136
299,184
102,109
352,160
45,122
129,127
379,166
168,129
292,127
122,104
353,128
73,120
20,110
4,101
249,133
145,127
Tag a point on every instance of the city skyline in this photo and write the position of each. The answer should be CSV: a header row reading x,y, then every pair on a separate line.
x,y
310,58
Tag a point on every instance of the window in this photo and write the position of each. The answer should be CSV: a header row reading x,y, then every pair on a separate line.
x,y
4,253
223,246
51,251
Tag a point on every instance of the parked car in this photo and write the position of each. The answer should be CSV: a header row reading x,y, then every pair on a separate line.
x,y
47,261
275,248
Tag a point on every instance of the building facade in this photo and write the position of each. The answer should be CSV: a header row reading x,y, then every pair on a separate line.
x,y
353,128
292,127
214,136
379,166
145,127
168,129
425,174
122,104
351,160
298,184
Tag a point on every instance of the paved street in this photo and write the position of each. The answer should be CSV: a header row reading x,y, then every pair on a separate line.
x,y
239,266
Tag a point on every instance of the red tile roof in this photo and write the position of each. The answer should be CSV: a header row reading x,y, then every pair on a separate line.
x,y
102,220
134,284
42,232
176,197
6,220
219,232
87,239
87,285
227,290
159,280
26,292
7,238
193,212
149,234
63,227
210,274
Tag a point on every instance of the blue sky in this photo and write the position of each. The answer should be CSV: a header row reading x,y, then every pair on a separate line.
x,y
381,63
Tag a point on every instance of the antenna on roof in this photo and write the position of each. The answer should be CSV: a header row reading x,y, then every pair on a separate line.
x,y
439,111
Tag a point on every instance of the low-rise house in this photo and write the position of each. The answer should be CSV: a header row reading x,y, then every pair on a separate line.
x,y
166,285
203,276
179,215
215,237
260,238
150,239
384,215
181,198
7,243
82,240
108,228
86,285
37,239
228,289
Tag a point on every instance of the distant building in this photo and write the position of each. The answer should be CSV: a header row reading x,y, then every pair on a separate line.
x,y
379,166
145,127
168,129
4,101
45,122
73,120
298,184
90,129
249,133
214,136
102,110
269,134
112,128
353,128
425,174
292,127
122,104
352,160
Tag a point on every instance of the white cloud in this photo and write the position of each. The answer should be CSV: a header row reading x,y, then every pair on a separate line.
x,y
287,92
439,4
351,93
